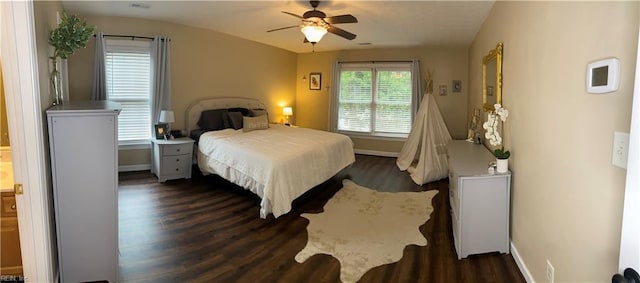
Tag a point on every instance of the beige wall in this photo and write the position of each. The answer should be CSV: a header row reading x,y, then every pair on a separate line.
x,y
447,64
566,195
204,64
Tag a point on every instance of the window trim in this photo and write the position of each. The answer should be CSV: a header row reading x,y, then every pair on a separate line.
x,y
372,66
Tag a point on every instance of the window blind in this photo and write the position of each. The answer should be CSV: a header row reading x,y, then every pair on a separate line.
x,y
128,76
375,99
393,102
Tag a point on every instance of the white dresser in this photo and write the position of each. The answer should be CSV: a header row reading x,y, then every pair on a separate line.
x,y
83,140
172,158
479,200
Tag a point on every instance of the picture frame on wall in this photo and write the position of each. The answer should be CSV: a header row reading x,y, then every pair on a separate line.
x,y
456,86
161,131
443,90
315,81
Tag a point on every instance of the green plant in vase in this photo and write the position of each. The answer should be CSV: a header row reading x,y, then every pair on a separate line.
x,y
500,153
70,35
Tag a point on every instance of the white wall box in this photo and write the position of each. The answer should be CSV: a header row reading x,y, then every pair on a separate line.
x,y
479,200
83,140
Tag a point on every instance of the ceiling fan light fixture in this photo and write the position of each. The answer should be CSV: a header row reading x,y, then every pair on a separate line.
x,y
313,33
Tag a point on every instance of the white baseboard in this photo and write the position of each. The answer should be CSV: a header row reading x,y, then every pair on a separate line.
x,y
523,267
137,167
376,152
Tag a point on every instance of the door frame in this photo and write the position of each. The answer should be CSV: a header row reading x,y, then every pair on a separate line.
x,y
28,140
630,235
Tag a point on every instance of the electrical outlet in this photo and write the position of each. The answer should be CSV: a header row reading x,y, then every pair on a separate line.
x,y
620,149
550,272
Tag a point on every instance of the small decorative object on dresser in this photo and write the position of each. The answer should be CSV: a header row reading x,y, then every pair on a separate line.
x,y
492,133
171,159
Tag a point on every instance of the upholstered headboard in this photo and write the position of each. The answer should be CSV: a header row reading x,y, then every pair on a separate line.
x,y
194,110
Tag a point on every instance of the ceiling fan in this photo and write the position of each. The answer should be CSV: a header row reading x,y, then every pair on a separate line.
x,y
315,24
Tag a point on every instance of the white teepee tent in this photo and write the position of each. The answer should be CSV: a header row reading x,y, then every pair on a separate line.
x,y
424,154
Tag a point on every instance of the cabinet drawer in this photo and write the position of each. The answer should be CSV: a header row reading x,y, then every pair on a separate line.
x,y
176,165
176,149
8,205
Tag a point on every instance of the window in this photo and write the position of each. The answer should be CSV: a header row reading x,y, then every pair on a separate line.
x,y
128,76
375,99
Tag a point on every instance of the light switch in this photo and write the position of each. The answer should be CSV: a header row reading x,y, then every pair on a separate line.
x,y
620,149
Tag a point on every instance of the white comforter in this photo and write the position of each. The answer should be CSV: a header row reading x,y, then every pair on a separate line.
x,y
278,164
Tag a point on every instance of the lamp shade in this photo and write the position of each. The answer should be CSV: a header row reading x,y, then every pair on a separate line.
x,y
166,116
313,33
287,111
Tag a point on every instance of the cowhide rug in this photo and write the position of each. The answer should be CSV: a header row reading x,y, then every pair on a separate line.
x,y
363,228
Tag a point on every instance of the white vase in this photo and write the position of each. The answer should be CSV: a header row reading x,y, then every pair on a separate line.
x,y
502,165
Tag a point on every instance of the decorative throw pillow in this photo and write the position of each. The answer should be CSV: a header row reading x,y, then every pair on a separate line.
x,y
255,123
213,120
258,112
244,111
235,118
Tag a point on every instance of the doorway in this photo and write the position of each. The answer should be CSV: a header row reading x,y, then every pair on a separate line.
x,y
10,258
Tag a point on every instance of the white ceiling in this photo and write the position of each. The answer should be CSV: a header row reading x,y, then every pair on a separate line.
x,y
380,23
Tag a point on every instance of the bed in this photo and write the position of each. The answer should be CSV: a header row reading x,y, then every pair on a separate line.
x,y
277,163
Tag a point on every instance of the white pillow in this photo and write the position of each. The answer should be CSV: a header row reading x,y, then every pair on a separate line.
x,y
255,123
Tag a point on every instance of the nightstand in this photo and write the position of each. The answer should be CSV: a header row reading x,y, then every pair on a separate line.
x,y
171,159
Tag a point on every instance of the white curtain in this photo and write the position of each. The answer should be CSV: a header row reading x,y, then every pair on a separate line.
x,y
99,74
424,153
161,76
333,107
417,85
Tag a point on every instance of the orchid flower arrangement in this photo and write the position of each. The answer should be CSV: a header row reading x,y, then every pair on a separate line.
x,y
491,129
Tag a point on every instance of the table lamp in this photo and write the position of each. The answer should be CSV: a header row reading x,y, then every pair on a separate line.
x,y
166,116
287,111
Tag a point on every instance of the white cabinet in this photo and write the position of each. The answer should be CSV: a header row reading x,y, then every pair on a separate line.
x,y
172,158
479,200
83,141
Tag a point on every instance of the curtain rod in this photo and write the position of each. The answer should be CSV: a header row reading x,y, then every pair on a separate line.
x,y
133,37
393,61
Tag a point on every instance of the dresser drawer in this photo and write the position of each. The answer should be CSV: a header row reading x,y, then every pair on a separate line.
x,y
8,205
176,165
177,149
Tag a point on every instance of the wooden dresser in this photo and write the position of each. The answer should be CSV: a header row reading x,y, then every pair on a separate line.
x,y
479,200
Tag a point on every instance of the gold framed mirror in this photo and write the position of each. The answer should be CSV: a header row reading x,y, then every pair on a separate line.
x,y
492,78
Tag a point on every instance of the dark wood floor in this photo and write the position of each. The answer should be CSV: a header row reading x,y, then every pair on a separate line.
x,y
207,230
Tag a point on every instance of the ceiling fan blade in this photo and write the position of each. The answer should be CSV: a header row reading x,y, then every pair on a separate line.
x,y
299,17
341,32
342,19
282,28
